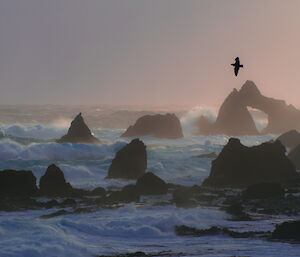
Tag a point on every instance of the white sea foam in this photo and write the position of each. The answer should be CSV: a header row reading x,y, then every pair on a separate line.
x,y
134,227
34,131
56,152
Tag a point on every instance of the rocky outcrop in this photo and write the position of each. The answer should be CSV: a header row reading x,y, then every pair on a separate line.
x,y
289,230
235,119
241,166
20,183
263,190
160,126
150,184
53,182
130,162
294,156
79,132
290,139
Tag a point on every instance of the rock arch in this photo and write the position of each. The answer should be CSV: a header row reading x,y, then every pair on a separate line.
x,y
235,119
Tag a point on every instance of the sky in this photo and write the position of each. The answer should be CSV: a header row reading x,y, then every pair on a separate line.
x,y
152,52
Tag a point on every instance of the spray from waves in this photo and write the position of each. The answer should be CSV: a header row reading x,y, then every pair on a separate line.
x,y
10,150
188,121
38,131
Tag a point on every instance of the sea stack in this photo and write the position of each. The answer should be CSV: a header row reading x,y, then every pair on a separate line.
x,y
160,126
53,182
79,132
130,162
241,166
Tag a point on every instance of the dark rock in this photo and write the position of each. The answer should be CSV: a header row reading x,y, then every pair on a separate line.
x,y
50,204
236,209
98,191
290,139
160,126
68,202
128,194
18,203
294,156
212,231
183,197
17,183
150,184
130,162
136,254
55,214
289,230
53,182
212,155
235,119
79,133
240,166
263,190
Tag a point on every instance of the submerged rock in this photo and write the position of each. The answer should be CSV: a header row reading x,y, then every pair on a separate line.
x,y
79,132
241,166
212,155
53,182
236,209
290,139
128,194
212,231
289,230
150,184
20,183
264,190
158,125
130,162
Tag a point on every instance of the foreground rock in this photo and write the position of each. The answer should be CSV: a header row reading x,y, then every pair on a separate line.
x,y
264,190
130,162
235,119
53,182
79,133
294,156
160,126
290,139
241,166
17,183
150,184
287,231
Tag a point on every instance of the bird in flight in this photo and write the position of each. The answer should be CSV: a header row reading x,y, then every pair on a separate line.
x,y
237,65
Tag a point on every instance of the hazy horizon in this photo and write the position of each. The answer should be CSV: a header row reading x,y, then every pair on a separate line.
x,y
149,53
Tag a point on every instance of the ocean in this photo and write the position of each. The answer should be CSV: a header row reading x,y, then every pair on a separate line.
x,y
146,226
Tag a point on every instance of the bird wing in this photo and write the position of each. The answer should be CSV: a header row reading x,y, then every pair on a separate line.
x,y
236,70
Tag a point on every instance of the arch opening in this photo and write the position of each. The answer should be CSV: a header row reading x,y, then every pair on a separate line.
x,y
261,119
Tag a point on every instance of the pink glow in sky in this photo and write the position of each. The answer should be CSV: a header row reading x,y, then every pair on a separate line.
x,y
146,52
